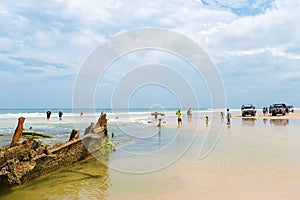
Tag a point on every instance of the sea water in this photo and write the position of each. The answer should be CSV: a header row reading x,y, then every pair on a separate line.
x,y
119,120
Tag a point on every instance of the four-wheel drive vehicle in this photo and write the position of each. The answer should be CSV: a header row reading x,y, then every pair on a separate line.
x,y
279,108
248,109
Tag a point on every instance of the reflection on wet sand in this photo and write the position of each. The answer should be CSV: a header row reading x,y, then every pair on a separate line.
x,y
279,122
248,121
265,120
273,122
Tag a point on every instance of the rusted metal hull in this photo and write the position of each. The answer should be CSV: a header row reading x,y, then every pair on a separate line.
x,y
30,159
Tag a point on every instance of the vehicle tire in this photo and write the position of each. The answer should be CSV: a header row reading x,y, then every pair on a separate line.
x,y
243,115
273,114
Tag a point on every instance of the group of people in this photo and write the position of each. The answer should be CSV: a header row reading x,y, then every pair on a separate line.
x,y
60,114
265,110
189,115
228,116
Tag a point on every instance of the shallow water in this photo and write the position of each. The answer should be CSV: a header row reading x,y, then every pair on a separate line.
x,y
252,159
85,180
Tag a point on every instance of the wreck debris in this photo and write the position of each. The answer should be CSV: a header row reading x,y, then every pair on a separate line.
x,y
74,134
35,133
24,161
18,132
90,129
102,123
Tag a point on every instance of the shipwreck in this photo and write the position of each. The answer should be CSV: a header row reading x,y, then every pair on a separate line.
x,y
22,161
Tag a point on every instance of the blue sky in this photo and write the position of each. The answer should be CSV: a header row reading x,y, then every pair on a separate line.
x,y
253,43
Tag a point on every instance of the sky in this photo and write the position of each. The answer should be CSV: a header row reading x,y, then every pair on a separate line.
x,y
254,44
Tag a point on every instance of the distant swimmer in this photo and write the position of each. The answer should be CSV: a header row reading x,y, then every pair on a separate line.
x,y
179,118
60,114
81,113
48,113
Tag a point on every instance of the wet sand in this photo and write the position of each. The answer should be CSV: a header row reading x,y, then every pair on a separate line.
x,y
252,160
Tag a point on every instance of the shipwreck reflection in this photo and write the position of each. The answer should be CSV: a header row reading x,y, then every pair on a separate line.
x,y
248,121
85,180
279,122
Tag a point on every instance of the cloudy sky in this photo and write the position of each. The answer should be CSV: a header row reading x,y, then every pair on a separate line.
x,y
253,43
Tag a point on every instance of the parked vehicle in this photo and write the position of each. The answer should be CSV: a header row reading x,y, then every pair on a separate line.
x,y
278,109
248,109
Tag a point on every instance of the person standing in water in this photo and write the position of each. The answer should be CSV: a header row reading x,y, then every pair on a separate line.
x,y
159,123
60,114
264,111
228,116
222,116
179,118
206,120
48,113
189,114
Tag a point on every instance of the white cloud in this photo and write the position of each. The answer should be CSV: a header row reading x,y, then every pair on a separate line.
x,y
228,3
65,32
7,61
274,51
276,28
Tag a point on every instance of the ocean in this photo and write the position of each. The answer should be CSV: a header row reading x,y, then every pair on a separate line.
x,y
119,120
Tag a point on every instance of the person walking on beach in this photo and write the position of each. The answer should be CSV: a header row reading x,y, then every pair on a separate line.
x,y
60,114
179,118
228,116
48,113
189,114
